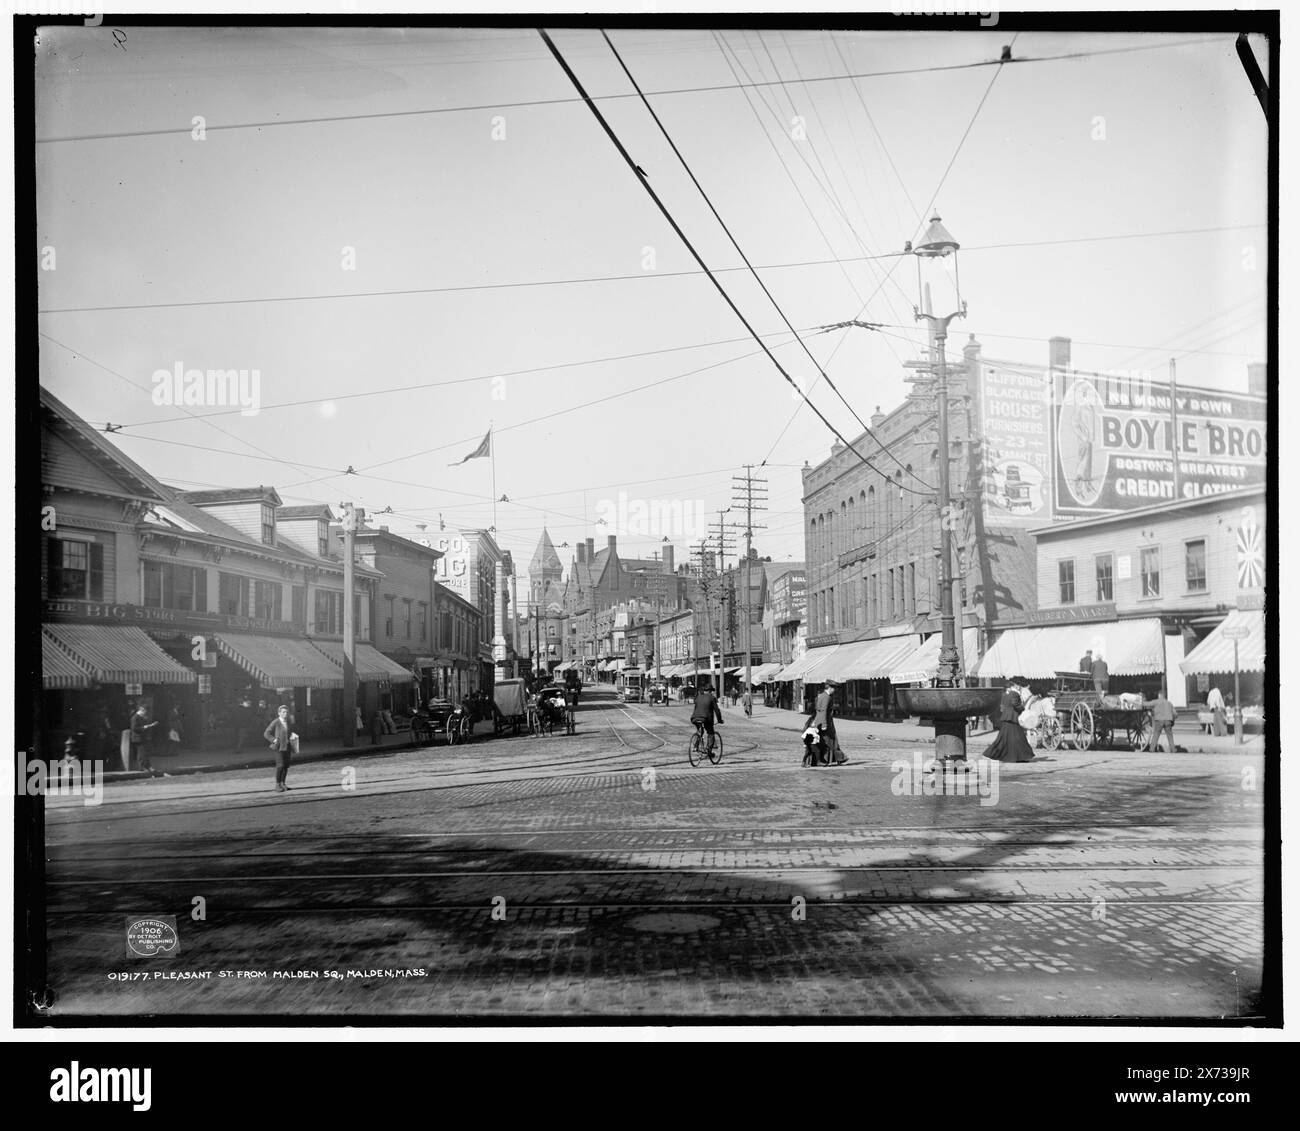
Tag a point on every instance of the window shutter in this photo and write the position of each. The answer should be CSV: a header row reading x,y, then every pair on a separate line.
x,y
96,581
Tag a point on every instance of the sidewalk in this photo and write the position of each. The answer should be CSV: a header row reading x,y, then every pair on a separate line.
x,y
1187,736
255,755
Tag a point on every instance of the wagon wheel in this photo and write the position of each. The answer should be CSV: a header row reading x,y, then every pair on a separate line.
x,y
1139,734
1050,730
1082,726
452,735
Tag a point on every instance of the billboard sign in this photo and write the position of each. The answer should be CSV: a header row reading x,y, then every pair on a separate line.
x,y
1015,424
1114,442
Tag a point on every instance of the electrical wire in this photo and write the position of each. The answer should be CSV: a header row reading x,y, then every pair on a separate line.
x,y
632,165
281,122
734,243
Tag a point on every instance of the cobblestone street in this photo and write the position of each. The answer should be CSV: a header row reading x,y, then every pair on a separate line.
x,y
601,876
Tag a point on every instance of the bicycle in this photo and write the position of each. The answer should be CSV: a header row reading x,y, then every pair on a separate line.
x,y
697,748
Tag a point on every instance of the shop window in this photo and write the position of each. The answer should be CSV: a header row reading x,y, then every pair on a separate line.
x,y
267,596
329,612
1150,571
232,595
1065,580
76,569
171,586
1196,581
1105,577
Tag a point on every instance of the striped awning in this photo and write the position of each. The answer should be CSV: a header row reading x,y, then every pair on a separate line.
x,y
763,673
809,663
117,653
866,659
59,669
1213,655
922,664
280,661
372,665
1129,647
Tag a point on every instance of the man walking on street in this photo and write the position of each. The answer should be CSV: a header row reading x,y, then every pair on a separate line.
x,y
706,709
1162,721
279,734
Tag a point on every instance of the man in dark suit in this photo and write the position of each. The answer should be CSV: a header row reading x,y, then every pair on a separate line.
x,y
705,711
1100,675
280,735
1085,664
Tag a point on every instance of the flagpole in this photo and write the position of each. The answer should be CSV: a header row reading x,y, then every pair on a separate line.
x,y
492,451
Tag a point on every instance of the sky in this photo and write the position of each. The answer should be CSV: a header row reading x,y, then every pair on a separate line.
x,y
436,259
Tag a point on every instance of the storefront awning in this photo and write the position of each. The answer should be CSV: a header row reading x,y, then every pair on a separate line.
x,y
118,654
372,665
807,664
922,664
1213,655
865,659
1129,647
763,672
59,670
280,661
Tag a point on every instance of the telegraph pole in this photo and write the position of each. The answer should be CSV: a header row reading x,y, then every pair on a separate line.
x,y
720,532
754,496
349,628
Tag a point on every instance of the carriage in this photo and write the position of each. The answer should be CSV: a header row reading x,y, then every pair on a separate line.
x,y
510,699
1077,711
439,716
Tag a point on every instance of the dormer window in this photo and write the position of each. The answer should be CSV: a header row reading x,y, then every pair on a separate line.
x,y
268,525
323,539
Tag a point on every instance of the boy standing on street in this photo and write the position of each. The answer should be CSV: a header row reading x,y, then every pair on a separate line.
x,y
280,736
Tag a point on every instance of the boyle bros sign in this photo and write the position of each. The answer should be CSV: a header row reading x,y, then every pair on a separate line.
x,y
1115,441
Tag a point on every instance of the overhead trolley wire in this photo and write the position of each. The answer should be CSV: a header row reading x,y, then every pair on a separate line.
x,y
632,165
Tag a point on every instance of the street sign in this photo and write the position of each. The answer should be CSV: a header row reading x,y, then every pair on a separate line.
x,y
1236,632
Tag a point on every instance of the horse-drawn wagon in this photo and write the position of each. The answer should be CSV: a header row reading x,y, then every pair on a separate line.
x,y
1077,712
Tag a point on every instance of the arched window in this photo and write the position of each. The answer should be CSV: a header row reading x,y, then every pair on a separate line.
x,y
845,535
873,523
911,496
888,508
852,531
812,540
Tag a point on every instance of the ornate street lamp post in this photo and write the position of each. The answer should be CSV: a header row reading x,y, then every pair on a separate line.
x,y
934,254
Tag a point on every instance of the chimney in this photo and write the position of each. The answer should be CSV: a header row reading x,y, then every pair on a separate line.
x,y
877,419
383,530
971,354
613,541
591,549
1257,378
668,559
1058,354
582,552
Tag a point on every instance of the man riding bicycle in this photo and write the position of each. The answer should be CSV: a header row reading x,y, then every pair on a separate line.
x,y
706,709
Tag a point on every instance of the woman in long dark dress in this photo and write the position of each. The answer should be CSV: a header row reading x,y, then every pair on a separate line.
x,y
1011,745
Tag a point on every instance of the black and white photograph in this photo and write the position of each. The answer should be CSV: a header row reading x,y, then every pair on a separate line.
x,y
644,521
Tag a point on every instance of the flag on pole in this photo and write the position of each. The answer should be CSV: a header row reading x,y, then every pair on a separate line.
x,y
484,449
